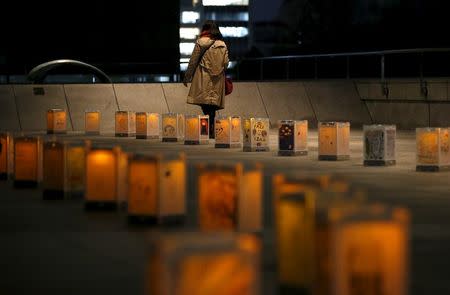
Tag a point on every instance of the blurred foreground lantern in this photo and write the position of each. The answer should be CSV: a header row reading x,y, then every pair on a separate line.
x,y
106,175
334,140
172,127
228,132
230,197
92,123
197,129
292,138
379,145
125,123
433,149
63,169
204,264
148,125
6,156
369,251
27,161
157,188
256,135
56,121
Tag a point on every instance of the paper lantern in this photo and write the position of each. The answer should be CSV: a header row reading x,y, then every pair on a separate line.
x,y
228,132
75,166
148,125
292,138
172,127
334,139
106,177
204,264
54,170
433,149
125,123
256,135
369,251
157,188
229,197
92,122
56,121
6,156
27,161
197,129
379,145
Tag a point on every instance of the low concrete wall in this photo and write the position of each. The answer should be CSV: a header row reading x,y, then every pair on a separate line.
x,y
141,98
244,101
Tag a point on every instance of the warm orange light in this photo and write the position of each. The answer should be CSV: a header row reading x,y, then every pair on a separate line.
x,y
433,149
148,125
54,170
75,168
56,121
143,187
125,123
172,127
5,155
228,132
27,161
101,175
292,137
197,130
256,134
334,140
92,122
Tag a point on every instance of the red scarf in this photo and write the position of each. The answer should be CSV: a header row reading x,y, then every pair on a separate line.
x,y
205,34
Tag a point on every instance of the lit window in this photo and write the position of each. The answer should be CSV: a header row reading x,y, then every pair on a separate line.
x,y
185,59
224,2
186,48
190,17
227,16
231,64
189,33
237,32
162,78
183,66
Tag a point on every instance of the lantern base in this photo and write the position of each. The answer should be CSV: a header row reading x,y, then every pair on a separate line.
x,y
142,219
256,149
285,289
124,134
292,153
53,194
100,206
3,176
76,195
169,139
334,158
92,132
172,220
56,132
432,168
227,145
379,162
147,136
25,184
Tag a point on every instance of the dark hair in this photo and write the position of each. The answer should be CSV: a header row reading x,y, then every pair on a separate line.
x,y
213,29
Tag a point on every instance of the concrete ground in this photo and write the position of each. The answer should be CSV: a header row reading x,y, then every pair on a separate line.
x,y
55,247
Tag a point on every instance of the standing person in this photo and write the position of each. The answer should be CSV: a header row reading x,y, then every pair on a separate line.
x,y
206,72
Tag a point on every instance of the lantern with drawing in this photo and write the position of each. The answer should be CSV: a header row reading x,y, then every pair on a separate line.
x,y
228,132
433,149
56,121
206,264
148,125
92,122
197,129
157,188
334,141
6,155
172,127
379,145
125,123
292,138
256,135
27,161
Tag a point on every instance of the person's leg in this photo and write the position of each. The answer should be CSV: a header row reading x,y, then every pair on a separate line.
x,y
211,111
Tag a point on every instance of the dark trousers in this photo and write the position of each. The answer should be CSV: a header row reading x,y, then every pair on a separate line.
x,y
211,111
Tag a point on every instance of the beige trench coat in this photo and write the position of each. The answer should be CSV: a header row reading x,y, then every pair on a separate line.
x,y
208,78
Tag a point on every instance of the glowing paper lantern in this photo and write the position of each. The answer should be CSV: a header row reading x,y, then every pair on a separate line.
x,y
6,155
204,264
56,121
75,166
433,149
156,188
228,132
27,161
292,138
369,251
148,125
256,135
197,129
92,122
379,145
334,140
172,127
226,194
106,171
54,170
125,123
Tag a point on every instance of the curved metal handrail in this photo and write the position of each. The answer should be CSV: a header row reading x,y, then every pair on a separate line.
x,y
38,73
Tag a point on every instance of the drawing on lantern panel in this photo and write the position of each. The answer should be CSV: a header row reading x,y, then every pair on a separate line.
x,y
374,142
286,137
